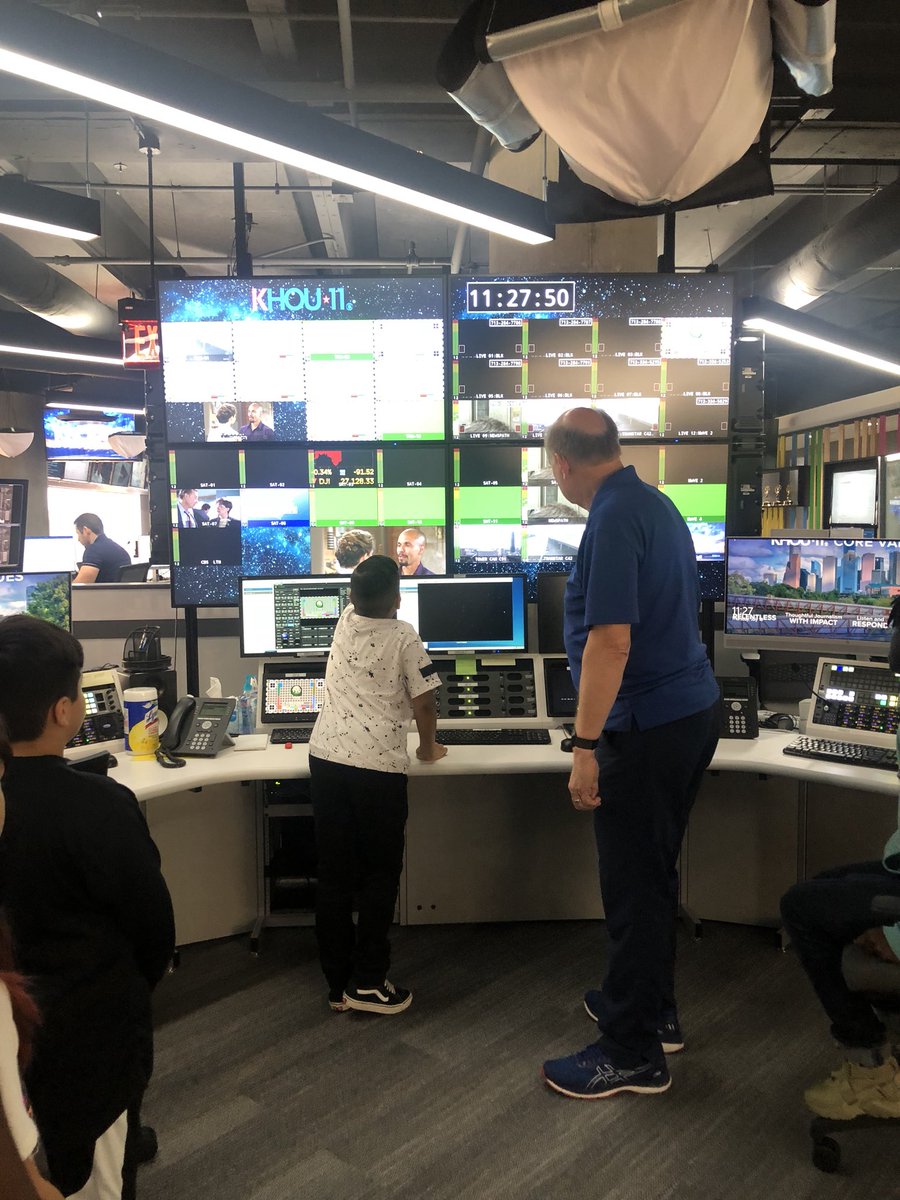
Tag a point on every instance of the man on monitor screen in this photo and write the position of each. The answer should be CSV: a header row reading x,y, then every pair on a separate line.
x,y
410,550
255,430
189,516
103,558
646,728
352,548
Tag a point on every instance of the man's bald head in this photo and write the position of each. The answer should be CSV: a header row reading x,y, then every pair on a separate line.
x,y
583,436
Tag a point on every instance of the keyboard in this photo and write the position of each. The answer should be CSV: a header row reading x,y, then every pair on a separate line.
x,y
293,733
843,752
493,737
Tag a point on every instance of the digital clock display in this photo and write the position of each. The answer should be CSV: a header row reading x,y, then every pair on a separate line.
x,y
493,296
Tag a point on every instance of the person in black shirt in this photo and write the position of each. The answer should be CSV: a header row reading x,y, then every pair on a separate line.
x,y
89,911
103,558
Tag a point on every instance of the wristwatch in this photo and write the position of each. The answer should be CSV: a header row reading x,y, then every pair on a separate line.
x,y
581,743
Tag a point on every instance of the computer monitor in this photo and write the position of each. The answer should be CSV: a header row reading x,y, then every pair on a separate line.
x,y
825,595
654,351
295,616
551,594
292,692
47,595
560,691
468,615
73,432
49,554
851,493
268,510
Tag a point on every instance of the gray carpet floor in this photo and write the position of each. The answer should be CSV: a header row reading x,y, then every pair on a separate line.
x,y
262,1093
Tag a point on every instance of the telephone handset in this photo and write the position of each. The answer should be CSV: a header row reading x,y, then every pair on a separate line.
x,y
740,710
196,729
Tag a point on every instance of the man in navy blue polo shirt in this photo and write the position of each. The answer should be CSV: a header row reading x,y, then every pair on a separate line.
x,y
103,558
645,731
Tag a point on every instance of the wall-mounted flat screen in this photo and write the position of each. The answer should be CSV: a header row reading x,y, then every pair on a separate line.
x,y
262,510
13,511
47,595
507,506
654,351
810,594
85,432
293,360
890,492
851,493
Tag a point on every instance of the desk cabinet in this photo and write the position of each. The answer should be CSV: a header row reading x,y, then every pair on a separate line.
x,y
742,848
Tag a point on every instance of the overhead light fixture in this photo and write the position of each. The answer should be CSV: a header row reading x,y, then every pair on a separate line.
x,y
40,352
14,442
49,48
45,210
776,320
128,445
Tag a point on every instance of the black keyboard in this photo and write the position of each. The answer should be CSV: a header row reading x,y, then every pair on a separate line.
x,y
843,752
294,733
493,737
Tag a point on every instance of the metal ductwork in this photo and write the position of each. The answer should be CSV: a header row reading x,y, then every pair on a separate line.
x,y
46,293
863,237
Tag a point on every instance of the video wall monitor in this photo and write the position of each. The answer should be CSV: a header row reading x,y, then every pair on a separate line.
x,y
507,507
72,432
267,510
49,554
47,595
467,615
13,510
851,493
815,595
653,351
288,360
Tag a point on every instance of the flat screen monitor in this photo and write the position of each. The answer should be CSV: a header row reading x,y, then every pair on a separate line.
x,y
270,510
851,493
654,351
507,506
296,360
829,595
551,595
292,693
72,432
471,615
562,697
47,595
13,509
50,554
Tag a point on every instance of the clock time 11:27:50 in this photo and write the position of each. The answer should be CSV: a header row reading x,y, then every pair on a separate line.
x,y
555,296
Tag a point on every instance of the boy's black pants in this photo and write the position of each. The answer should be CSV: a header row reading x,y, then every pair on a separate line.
x,y
360,820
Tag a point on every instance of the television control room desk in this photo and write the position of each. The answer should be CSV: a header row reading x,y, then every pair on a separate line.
x,y
492,835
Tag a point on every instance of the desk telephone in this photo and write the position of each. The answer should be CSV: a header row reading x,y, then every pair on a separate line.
x,y
739,711
196,729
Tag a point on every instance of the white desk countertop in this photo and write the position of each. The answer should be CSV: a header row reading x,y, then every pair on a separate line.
x,y
762,755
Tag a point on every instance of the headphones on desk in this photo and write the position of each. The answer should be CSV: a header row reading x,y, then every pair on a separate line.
x,y
779,721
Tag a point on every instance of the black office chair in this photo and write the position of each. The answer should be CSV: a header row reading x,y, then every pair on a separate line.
x,y
134,573
881,982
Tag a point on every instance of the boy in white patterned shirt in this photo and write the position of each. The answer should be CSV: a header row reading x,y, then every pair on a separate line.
x,y
379,675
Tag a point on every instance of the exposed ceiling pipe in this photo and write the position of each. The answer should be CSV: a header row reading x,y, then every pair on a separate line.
x,y
864,236
33,286
480,155
313,264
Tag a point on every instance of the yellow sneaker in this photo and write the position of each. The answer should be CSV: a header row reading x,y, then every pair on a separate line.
x,y
853,1090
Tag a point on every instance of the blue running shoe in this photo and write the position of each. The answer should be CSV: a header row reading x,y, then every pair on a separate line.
x,y
669,1031
589,1075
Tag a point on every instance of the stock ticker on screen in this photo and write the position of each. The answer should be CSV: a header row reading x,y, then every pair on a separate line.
x,y
817,590
290,360
652,351
263,510
507,507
